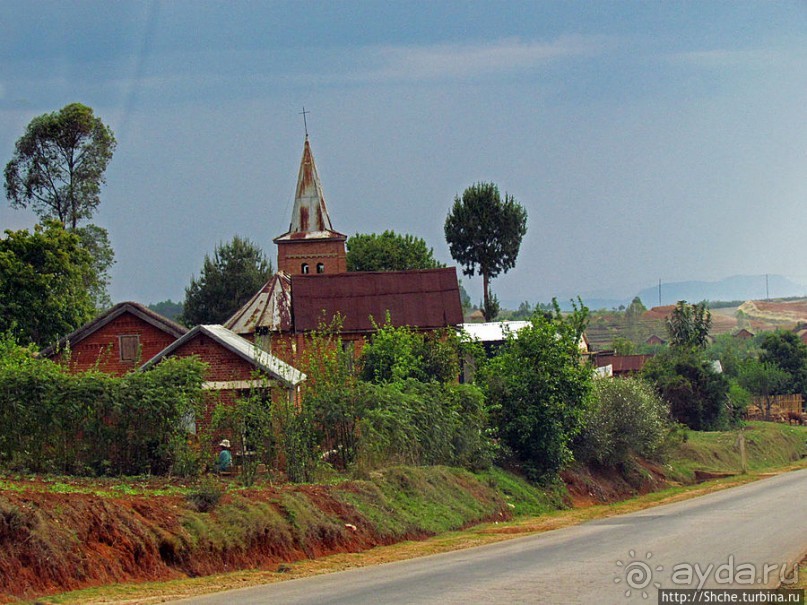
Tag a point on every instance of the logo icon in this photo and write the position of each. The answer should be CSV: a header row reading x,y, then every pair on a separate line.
x,y
637,574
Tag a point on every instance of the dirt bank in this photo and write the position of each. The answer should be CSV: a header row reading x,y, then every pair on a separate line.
x,y
55,542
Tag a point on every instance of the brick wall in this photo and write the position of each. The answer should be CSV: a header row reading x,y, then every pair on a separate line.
x,y
292,254
223,364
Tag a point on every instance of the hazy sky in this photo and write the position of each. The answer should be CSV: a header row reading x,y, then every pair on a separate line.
x,y
647,140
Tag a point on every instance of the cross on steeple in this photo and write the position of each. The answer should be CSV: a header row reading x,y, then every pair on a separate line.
x,y
305,122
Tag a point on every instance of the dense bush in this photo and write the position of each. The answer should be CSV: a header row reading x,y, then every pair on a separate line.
x,y
696,392
538,389
408,409
626,418
94,423
424,423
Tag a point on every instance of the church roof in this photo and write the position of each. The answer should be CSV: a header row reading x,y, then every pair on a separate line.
x,y
427,299
309,218
269,308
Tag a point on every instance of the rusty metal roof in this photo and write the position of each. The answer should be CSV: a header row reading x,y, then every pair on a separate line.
x,y
309,218
268,309
248,351
426,299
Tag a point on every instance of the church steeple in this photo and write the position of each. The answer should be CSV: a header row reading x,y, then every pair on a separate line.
x,y
310,215
310,245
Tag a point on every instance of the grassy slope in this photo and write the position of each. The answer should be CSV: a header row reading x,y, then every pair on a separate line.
x,y
402,503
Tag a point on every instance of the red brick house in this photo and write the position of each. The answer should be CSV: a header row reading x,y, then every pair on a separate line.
x,y
116,341
234,364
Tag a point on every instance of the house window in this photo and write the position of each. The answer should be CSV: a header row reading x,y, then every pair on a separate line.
x,y
320,268
304,268
129,347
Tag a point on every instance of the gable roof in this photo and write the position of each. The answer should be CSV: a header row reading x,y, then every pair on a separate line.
x,y
269,308
309,218
136,309
246,350
426,299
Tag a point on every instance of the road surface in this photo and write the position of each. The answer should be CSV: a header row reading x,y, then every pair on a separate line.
x,y
615,560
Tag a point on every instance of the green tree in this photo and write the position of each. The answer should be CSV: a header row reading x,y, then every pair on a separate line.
x,y
227,280
484,234
395,354
44,279
167,308
389,252
688,325
58,165
58,169
763,379
786,351
95,240
538,389
696,391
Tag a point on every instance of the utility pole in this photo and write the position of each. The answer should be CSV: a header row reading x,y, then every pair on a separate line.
x,y
767,291
659,292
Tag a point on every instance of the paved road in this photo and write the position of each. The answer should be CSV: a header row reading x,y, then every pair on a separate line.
x,y
738,529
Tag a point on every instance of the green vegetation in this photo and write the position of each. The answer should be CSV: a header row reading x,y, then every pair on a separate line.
x,y
46,279
538,389
389,252
626,419
768,445
236,271
484,234
57,170
167,308
94,423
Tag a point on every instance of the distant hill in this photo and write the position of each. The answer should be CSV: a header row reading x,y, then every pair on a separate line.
x,y
738,287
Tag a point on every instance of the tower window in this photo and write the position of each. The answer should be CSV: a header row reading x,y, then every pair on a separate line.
x,y
320,268
304,268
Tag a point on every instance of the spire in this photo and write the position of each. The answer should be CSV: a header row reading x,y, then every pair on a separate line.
x,y
310,215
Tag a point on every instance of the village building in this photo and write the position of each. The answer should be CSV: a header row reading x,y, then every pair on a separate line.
x,y
235,366
116,341
267,336
312,286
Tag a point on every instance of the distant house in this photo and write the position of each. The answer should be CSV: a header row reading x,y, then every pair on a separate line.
x,y
743,334
116,341
620,365
655,340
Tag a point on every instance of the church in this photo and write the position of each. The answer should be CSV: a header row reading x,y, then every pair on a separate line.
x,y
268,334
312,285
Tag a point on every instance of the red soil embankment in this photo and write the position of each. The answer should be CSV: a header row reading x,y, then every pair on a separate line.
x,y
57,542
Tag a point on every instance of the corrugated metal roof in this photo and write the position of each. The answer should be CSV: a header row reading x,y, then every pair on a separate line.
x,y
136,309
427,299
493,331
248,351
309,218
269,308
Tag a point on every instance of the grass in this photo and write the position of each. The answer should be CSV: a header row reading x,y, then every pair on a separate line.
x,y
768,445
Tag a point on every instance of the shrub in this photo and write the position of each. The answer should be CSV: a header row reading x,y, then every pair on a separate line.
x,y
696,392
206,495
626,418
538,389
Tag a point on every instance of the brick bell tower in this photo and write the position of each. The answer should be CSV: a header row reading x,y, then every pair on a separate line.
x,y
310,246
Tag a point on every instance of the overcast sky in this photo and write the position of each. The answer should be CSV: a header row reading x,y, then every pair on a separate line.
x,y
647,140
